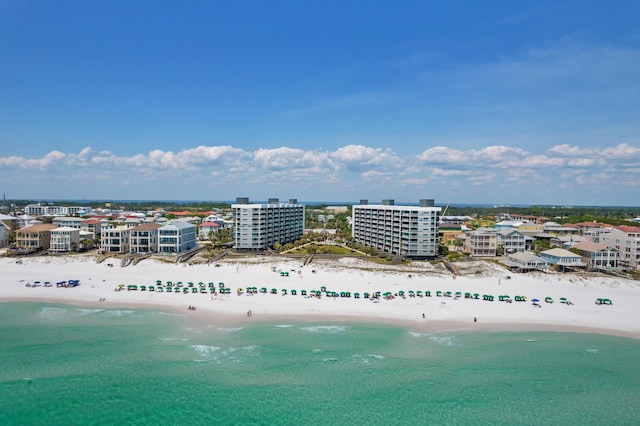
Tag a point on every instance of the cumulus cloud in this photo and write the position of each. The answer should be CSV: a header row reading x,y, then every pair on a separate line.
x,y
354,166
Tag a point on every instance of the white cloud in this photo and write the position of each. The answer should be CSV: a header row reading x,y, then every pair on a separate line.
x,y
354,168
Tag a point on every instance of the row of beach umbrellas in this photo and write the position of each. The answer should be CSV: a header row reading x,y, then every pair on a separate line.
x,y
210,288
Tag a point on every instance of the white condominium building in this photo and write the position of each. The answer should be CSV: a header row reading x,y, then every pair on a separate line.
x,y
261,226
410,231
51,210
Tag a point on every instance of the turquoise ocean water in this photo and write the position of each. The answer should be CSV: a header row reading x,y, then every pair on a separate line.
x,y
67,365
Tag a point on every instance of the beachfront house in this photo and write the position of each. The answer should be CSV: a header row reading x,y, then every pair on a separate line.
x,y
526,262
562,259
144,238
115,240
410,231
625,239
35,237
176,237
511,240
481,242
64,239
598,255
262,226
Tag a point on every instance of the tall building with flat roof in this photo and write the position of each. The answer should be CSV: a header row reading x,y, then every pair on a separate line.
x,y
410,231
261,226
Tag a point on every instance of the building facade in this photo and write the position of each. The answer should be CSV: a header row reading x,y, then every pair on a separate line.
x,y
481,242
64,239
176,237
115,240
35,237
626,239
511,240
262,226
410,231
144,238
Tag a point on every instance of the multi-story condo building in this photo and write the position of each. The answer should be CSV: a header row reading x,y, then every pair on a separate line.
x,y
48,210
410,231
64,239
35,237
261,226
176,237
626,239
144,238
115,240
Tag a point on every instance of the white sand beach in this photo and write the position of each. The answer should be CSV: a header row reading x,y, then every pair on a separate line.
x,y
99,281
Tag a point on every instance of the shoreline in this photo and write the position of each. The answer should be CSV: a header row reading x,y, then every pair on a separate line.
x,y
98,281
421,325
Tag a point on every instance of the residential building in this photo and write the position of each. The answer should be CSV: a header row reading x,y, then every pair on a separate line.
x,y
71,222
35,237
12,222
144,238
92,227
553,228
481,242
51,210
206,229
526,261
4,234
509,224
176,237
26,220
64,239
626,239
566,241
598,255
115,240
457,220
512,240
262,226
449,233
337,209
562,258
410,231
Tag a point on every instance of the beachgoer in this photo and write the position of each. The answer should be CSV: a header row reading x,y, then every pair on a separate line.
x,y
422,315
475,319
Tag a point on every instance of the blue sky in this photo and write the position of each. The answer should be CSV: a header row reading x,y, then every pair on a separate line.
x,y
465,102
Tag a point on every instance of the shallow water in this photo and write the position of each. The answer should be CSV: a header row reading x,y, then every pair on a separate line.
x,y
67,365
